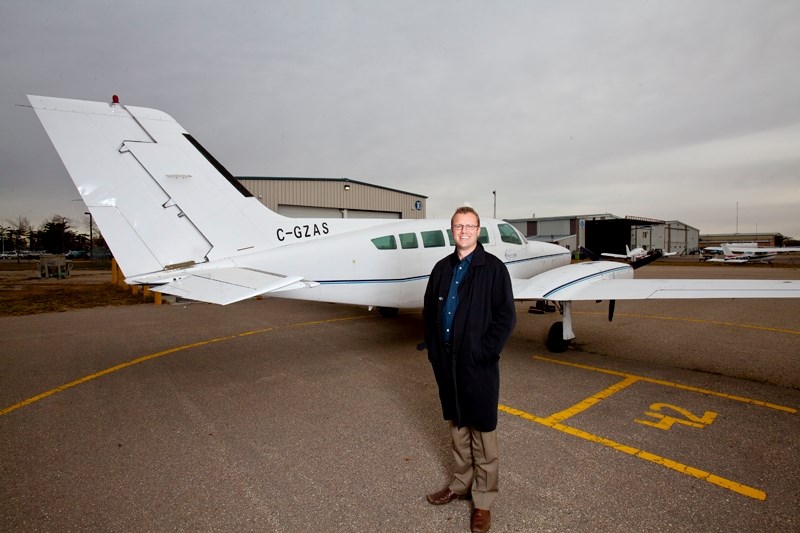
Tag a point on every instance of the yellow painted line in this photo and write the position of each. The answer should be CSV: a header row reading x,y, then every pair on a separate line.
x,y
121,366
107,371
592,400
696,321
672,384
734,486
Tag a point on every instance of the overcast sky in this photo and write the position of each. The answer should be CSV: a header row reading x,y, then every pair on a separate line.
x,y
663,109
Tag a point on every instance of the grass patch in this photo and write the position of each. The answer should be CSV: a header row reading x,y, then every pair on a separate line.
x,y
17,299
22,292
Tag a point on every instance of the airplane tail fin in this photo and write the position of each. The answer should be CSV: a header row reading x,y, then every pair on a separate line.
x,y
160,199
627,250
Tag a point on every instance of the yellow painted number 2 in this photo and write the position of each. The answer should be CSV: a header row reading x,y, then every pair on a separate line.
x,y
665,422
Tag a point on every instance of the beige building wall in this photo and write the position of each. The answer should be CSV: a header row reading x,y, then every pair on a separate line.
x,y
348,197
672,236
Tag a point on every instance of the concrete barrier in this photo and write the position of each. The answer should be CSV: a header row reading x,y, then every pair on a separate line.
x,y
54,266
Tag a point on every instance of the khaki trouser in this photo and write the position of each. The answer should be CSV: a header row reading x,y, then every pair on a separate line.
x,y
476,464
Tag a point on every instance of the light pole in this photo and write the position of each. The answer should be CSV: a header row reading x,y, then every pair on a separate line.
x,y
91,240
494,214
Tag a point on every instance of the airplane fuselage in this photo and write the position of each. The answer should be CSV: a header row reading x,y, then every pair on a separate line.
x,y
376,263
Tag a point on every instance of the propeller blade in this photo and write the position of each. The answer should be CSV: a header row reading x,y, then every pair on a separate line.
x,y
585,252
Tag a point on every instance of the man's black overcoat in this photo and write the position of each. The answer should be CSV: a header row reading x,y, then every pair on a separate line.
x,y
469,381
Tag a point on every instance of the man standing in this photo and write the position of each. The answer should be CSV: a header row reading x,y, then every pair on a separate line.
x,y
468,315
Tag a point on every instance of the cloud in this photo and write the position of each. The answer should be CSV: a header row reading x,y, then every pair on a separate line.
x,y
664,109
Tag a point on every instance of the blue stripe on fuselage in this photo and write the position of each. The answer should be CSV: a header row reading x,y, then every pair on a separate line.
x,y
418,278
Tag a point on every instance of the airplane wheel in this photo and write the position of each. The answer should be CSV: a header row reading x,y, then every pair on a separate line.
x,y
388,312
555,338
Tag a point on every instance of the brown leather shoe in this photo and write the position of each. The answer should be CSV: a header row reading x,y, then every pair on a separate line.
x,y
481,521
446,496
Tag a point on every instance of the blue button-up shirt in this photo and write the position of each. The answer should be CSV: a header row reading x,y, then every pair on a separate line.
x,y
450,306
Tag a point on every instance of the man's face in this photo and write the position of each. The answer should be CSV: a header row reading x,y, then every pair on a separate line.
x,y
466,238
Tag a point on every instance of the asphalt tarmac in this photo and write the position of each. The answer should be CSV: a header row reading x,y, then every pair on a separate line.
x,y
273,415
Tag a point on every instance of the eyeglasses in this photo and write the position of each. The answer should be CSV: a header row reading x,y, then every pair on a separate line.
x,y
468,227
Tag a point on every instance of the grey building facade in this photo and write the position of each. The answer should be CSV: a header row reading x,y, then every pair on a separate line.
x,y
333,198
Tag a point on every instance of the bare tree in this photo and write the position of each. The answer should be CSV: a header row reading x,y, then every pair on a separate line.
x,y
56,234
4,231
20,233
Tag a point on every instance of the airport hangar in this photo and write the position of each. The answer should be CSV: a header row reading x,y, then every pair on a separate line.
x,y
761,239
347,198
605,232
334,198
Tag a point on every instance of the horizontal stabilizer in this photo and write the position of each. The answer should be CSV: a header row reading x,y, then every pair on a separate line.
x,y
228,285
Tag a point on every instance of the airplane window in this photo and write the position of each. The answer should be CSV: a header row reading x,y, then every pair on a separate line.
x,y
483,238
508,234
408,240
385,243
432,239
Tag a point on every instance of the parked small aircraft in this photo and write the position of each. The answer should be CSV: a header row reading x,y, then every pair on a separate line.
x,y
630,255
177,220
638,257
747,253
638,254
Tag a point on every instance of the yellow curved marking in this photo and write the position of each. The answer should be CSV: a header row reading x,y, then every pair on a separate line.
x,y
739,488
121,366
695,320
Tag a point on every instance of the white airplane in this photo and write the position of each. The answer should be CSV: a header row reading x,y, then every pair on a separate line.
x,y
635,254
630,255
175,219
747,253
638,257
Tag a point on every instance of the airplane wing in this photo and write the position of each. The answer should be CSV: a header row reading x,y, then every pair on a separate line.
x,y
228,285
612,281
606,280
609,254
727,260
563,282
671,289
728,249
765,250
